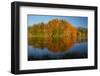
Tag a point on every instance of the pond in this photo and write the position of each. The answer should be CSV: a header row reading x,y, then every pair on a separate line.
x,y
76,51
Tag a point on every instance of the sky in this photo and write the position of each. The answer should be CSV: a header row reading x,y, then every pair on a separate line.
x,y
74,20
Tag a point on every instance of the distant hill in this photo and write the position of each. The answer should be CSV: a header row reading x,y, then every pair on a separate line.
x,y
82,34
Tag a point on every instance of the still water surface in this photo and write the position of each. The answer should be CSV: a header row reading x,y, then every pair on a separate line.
x,y
78,50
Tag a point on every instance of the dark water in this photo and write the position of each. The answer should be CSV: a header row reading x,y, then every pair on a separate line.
x,y
77,51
